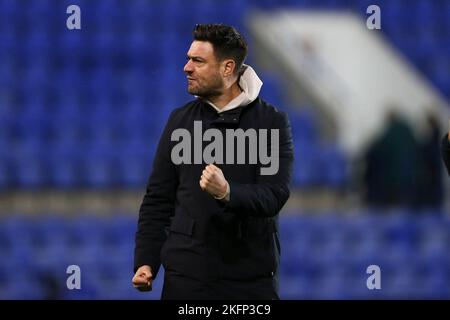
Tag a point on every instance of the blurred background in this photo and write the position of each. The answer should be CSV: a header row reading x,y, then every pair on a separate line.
x,y
81,112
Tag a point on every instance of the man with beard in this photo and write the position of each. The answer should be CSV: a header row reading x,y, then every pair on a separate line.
x,y
214,226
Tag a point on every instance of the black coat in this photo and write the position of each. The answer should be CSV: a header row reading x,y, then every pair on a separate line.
x,y
201,238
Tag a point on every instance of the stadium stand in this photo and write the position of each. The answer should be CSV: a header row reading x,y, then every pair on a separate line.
x,y
84,111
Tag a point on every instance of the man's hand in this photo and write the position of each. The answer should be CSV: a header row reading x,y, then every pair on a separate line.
x,y
213,182
142,279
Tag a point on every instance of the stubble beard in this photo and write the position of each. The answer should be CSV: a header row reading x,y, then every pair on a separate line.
x,y
207,92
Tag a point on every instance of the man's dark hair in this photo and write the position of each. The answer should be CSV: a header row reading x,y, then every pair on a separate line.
x,y
226,41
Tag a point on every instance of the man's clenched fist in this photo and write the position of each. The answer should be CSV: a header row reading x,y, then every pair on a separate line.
x,y
143,278
213,182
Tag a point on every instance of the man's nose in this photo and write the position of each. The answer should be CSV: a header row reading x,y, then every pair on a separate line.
x,y
188,67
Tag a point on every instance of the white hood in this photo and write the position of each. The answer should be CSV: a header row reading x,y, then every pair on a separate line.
x,y
250,84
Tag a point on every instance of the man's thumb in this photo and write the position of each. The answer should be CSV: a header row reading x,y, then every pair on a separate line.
x,y
147,275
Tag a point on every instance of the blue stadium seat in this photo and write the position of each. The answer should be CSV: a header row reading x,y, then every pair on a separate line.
x,y
9,7
8,74
296,287
22,289
134,166
434,286
271,90
67,83
65,171
332,166
306,169
8,38
70,46
28,171
120,229
97,169
5,179
323,256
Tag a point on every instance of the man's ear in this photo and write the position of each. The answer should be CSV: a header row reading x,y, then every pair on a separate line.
x,y
229,66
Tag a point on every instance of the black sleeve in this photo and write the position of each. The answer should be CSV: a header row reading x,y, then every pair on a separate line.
x,y
446,152
157,206
267,196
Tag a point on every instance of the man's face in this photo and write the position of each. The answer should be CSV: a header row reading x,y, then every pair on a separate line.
x,y
203,70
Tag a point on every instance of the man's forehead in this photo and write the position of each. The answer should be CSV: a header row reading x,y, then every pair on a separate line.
x,y
201,48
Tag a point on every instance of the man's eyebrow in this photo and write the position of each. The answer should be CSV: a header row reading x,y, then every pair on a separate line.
x,y
195,58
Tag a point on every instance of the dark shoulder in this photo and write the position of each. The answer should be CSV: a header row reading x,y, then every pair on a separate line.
x,y
269,111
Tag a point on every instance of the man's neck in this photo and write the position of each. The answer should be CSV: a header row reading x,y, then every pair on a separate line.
x,y
229,94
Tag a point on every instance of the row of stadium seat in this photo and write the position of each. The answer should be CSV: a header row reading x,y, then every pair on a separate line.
x,y
324,255
85,109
